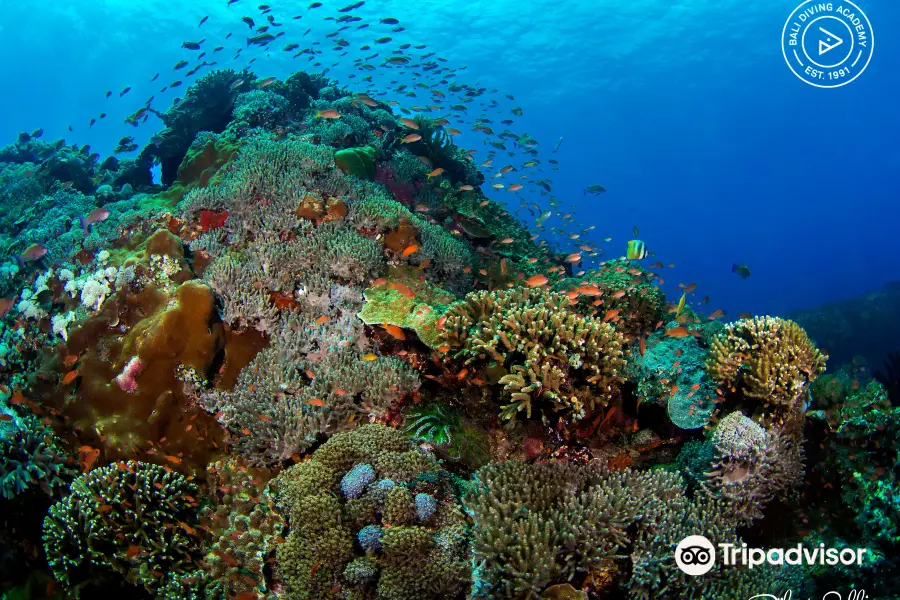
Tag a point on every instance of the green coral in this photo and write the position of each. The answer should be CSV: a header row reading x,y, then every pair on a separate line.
x,y
413,559
386,305
128,518
856,413
31,457
356,161
445,428
549,351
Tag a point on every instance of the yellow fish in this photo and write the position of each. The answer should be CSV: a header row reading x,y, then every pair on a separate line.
x,y
637,250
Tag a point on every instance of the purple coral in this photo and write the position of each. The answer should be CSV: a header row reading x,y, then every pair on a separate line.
x,y
370,537
426,506
357,479
125,379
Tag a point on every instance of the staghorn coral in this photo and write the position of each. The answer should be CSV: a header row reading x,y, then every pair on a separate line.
x,y
134,519
767,358
752,465
31,457
372,545
549,351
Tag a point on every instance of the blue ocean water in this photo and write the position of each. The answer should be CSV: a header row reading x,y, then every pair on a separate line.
x,y
685,111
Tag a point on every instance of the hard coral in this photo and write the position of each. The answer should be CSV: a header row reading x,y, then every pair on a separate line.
x,y
134,519
550,352
371,546
31,457
766,358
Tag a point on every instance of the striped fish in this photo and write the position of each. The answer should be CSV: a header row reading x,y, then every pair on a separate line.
x,y
637,250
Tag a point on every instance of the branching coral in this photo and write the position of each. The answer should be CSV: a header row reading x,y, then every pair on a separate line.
x,y
549,351
135,519
360,522
31,456
768,358
277,409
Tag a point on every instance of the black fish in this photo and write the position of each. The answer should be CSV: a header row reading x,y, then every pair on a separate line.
x,y
314,5
181,64
192,45
154,77
125,91
389,21
174,84
262,29
230,2
108,93
203,20
228,36
37,133
92,123
398,29
353,6
249,21
271,18
218,48
70,128
102,115
24,137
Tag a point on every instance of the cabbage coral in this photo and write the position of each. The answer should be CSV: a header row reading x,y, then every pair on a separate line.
x,y
549,351
768,358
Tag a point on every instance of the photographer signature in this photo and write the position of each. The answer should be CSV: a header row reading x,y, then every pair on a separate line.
x,y
853,595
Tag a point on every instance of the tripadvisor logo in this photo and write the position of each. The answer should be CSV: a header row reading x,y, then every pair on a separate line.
x,y
827,44
696,555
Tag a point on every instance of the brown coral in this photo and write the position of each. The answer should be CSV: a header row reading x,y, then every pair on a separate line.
x,y
548,350
769,358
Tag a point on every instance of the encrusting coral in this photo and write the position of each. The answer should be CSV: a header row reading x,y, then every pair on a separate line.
x,y
371,516
548,351
768,358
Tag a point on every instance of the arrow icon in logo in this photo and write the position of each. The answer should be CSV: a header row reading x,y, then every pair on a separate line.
x,y
824,45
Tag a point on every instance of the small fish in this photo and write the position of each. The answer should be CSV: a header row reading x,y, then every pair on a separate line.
x,y
33,253
5,417
203,20
680,306
536,281
368,357
98,215
70,377
574,257
411,249
87,457
124,91
316,402
322,320
413,137
328,114
353,6
678,332
596,190
637,250
181,64
192,45
435,173
409,123
236,84
635,231
742,270
558,144
394,331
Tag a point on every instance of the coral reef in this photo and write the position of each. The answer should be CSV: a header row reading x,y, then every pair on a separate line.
x,y
31,456
374,517
548,351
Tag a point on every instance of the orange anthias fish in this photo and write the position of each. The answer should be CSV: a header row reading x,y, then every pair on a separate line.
x,y
413,137
32,253
411,249
328,114
436,172
394,331
678,332
70,377
403,289
87,457
536,281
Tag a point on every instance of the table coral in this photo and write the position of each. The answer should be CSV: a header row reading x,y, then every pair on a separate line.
x,y
134,519
548,350
767,358
373,545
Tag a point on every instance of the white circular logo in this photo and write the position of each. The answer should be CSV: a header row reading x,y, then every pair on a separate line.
x,y
827,44
695,555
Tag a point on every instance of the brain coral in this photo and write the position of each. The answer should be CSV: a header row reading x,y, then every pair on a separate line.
x,y
370,544
550,352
